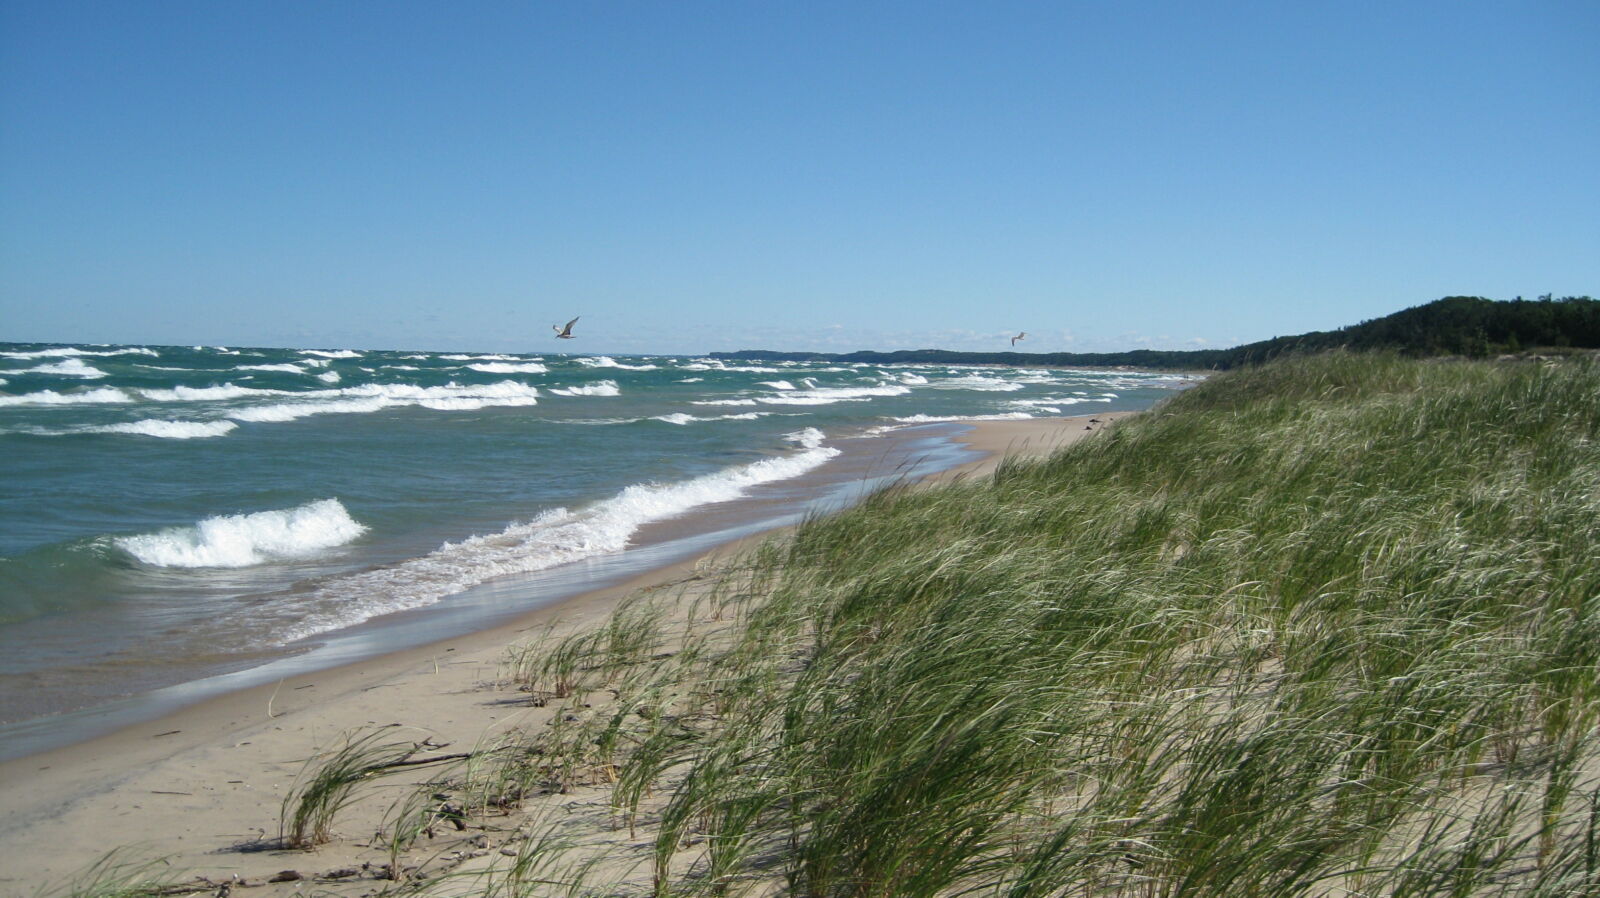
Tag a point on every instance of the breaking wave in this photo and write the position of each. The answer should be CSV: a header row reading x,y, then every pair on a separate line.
x,y
63,351
171,430
598,388
555,537
70,367
605,361
96,396
509,368
243,540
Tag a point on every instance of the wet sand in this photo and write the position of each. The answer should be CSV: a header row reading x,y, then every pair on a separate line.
x,y
202,787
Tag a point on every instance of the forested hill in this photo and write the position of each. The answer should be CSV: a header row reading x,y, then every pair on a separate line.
x,y
1456,325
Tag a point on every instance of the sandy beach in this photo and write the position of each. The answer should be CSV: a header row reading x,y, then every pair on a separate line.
x,y
201,789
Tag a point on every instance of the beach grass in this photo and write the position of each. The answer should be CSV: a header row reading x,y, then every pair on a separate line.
x,y
1329,626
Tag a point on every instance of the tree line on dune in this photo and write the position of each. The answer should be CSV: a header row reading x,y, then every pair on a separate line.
x,y
1469,326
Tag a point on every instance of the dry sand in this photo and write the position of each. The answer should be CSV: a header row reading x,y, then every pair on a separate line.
x,y
201,788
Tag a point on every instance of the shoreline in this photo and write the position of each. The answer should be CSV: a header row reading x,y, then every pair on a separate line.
x,y
201,785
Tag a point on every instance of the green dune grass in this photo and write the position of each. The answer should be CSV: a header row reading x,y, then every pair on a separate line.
x,y
1328,626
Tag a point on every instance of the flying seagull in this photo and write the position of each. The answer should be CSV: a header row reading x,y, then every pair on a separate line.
x,y
1020,336
564,333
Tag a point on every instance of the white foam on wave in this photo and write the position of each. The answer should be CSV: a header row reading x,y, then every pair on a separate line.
x,y
208,394
329,377
368,398
291,411
777,384
598,388
682,418
244,540
170,430
830,395
509,368
286,368
459,357
504,389
67,351
1050,401
70,367
97,396
335,354
558,536
605,361
978,382
467,404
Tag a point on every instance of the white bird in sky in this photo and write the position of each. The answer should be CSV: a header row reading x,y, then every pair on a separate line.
x,y
564,333
1019,336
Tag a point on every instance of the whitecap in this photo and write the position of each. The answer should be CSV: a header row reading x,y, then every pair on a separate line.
x,y
830,395
681,418
605,361
507,368
243,540
505,389
65,351
70,367
335,354
978,382
290,411
329,377
171,430
777,384
208,394
598,388
97,396
286,368
466,404
368,398
1047,401
558,536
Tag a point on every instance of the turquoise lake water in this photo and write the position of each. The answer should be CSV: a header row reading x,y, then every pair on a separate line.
x,y
168,514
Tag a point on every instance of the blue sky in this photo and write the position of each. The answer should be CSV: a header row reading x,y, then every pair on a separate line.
x,y
695,176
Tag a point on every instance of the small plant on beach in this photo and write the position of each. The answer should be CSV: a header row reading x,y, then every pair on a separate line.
x,y
328,783
117,875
